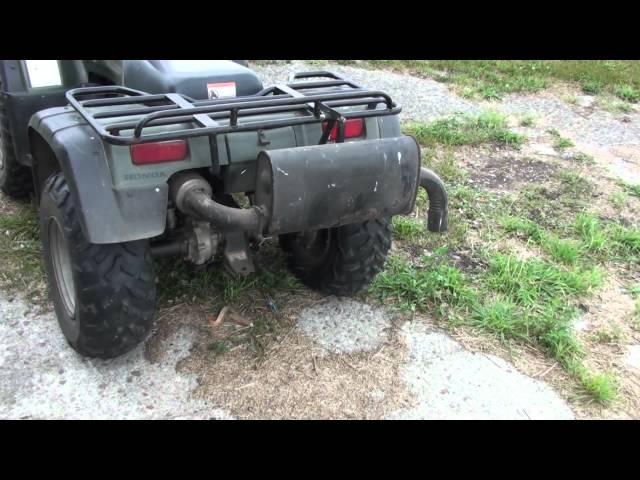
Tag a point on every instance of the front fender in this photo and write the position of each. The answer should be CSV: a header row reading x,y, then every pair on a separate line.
x,y
107,214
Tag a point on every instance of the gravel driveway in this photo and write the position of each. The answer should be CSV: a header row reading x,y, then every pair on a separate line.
x,y
41,377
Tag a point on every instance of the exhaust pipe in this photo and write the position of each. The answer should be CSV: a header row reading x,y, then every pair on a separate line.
x,y
438,215
192,195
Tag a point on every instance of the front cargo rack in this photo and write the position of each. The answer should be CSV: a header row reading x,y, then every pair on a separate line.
x,y
203,115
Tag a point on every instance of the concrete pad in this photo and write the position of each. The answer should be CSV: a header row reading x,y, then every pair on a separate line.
x,y
41,376
633,356
452,383
343,325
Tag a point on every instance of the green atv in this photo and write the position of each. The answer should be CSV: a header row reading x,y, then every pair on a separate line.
x,y
131,160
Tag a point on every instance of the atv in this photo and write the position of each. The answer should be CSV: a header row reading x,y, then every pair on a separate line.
x,y
131,160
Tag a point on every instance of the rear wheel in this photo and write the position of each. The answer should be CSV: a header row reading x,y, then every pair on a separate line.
x,y
339,261
15,179
104,295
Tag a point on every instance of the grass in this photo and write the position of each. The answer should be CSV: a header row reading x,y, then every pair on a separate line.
x,y
571,99
591,86
614,105
559,143
21,252
612,241
581,157
527,301
178,281
619,200
565,251
445,165
406,228
626,240
635,292
612,335
628,93
574,185
635,316
601,386
531,301
549,205
633,190
418,287
488,127
528,281
492,79
609,242
590,231
527,121
562,143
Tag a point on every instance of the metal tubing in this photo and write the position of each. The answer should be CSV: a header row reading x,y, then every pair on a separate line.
x,y
193,198
168,249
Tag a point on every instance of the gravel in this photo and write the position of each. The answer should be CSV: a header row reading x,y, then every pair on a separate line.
x,y
421,99
426,100
41,377
597,127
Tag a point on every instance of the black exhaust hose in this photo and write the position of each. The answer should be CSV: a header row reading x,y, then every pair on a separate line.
x,y
227,219
438,216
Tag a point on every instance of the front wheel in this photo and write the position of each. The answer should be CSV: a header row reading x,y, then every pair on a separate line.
x,y
15,179
104,295
339,261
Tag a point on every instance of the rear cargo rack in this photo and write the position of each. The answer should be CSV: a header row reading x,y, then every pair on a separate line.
x,y
310,97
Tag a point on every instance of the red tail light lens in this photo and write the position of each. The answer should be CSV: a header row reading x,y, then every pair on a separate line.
x,y
158,152
353,127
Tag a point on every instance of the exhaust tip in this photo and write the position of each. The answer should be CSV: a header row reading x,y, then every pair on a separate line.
x,y
438,216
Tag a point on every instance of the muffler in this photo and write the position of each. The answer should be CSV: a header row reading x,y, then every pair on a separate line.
x,y
325,186
322,186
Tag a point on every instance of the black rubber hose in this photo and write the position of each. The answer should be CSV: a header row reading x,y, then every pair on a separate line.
x,y
227,219
438,216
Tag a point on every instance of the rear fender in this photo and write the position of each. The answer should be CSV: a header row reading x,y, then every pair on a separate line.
x,y
107,215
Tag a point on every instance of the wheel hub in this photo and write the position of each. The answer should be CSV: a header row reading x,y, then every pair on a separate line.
x,y
62,267
1,153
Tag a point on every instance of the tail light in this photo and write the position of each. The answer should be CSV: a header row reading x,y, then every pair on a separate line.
x,y
158,152
353,127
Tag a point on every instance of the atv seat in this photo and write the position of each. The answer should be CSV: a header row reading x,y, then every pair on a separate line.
x,y
198,79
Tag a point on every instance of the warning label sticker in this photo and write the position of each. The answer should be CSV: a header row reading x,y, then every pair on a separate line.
x,y
221,90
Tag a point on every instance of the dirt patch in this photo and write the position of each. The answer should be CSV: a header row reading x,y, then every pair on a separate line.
x,y
521,249
299,380
620,162
7,207
273,370
607,334
506,171
466,261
